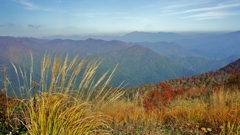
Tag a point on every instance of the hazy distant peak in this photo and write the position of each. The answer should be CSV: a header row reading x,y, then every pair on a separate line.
x,y
138,47
91,39
151,37
236,33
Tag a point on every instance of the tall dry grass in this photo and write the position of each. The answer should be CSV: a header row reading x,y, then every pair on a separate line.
x,y
129,117
68,99
216,112
224,110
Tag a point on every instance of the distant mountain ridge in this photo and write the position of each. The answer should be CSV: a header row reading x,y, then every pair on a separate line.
x,y
86,47
211,46
129,37
214,47
151,37
138,64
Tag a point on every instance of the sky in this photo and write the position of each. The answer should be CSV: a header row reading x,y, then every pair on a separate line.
x,y
41,18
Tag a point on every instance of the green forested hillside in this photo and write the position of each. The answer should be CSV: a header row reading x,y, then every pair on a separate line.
x,y
138,65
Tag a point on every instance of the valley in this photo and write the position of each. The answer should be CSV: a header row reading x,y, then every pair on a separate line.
x,y
138,62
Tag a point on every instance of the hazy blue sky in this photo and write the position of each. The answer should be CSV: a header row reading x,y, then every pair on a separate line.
x,y
39,18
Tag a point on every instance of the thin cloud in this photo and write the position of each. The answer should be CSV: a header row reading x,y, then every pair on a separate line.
x,y
210,15
7,25
31,6
206,12
209,9
183,4
170,5
95,14
34,26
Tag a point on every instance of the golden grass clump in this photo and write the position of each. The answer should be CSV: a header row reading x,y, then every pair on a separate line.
x,y
191,111
63,115
66,100
224,111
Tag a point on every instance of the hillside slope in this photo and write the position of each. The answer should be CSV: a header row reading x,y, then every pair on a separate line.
x,y
217,77
166,49
139,65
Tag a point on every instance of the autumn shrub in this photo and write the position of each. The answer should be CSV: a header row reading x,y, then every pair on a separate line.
x,y
158,100
151,101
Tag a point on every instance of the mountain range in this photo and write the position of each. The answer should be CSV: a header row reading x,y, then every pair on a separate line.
x,y
215,46
129,37
138,62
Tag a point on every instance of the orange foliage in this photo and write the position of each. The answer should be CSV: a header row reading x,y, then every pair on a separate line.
x,y
158,100
152,100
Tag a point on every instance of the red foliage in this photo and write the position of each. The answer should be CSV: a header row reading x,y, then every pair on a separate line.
x,y
167,93
151,100
157,100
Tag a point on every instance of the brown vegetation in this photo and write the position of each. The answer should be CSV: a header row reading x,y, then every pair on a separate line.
x,y
10,113
64,107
